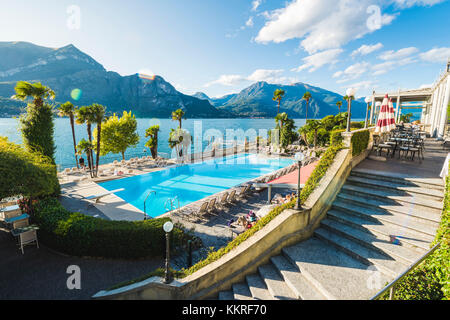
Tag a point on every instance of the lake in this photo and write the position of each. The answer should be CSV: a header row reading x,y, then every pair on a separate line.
x,y
202,128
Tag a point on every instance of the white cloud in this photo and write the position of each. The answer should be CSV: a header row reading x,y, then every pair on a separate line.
x,y
315,61
227,80
322,24
256,4
410,3
267,75
382,68
366,49
439,55
249,22
399,54
352,72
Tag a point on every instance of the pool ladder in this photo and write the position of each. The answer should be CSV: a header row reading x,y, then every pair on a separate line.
x,y
145,209
169,205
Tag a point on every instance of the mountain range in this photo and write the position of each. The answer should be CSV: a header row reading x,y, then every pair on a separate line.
x,y
66,69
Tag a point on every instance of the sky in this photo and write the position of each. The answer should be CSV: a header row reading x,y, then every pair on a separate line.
x,y
221,47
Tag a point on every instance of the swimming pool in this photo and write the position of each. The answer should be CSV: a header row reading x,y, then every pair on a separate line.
x,y
192,182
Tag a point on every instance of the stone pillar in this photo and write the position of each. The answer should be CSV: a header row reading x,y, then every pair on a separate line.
x,y
443,122
373,107
434,108
397,109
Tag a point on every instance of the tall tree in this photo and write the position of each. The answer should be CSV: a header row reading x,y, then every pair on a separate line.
x,y
119,134
339,105
85,115
68,110
152,143
307,97
281,118
98,112
278,95
37,125
86,147
178,115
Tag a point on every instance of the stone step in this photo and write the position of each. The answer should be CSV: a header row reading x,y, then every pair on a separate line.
x,y
241,292
384,185
384,232
226,295
372,240
295,280
417,200
258,288
335,274
377,214
275,283
434,183
430,215
370,257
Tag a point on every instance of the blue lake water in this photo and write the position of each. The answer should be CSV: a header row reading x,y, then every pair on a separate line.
x,y
64,145
192,182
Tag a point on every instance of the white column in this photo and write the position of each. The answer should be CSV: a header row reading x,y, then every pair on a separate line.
x,y
397,109
443,121
434,108
373,107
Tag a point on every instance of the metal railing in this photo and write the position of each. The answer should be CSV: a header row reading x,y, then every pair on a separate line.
x,y
172,202
391,286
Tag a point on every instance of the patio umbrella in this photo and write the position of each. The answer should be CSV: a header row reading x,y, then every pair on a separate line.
x,y
384,117
392,114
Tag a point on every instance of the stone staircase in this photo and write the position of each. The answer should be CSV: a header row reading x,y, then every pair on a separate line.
x,y
377,226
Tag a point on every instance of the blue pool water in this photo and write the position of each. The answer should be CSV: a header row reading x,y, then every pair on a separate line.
x,y
192,182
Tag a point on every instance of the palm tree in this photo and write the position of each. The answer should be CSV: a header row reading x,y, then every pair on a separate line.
x,y
37,91
339,105
68,110
98,112
178,115
307,96
281,118
152,143
86,147
278,96
85,115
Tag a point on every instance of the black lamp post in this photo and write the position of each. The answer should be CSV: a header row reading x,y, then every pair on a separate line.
x,y
168,226
299,157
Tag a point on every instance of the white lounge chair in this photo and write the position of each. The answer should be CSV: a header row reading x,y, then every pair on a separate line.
x,y
28,237
98,197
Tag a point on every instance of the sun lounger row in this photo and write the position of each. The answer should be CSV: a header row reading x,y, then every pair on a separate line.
x,y
224,200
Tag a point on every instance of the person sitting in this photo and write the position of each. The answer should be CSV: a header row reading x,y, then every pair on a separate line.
x,y
82,163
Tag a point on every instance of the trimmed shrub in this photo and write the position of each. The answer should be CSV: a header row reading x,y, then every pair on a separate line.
x,y
360,141
336,137
26,173
80,235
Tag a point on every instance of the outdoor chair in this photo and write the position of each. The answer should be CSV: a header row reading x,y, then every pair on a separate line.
x,y
202,211
20,224
223,199
232,197
212,205
26,238
244,191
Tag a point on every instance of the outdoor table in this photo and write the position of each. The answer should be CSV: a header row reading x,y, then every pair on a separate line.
x,y
16,232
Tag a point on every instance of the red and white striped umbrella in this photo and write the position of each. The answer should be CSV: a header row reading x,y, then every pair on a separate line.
x,y
392,114
384,117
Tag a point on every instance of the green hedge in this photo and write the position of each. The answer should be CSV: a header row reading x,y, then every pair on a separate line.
x,y
25,173
360,141
431,279
336,137
77,234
